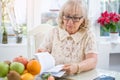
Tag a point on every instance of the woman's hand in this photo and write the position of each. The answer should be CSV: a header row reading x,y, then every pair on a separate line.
x,y
41,50
71,68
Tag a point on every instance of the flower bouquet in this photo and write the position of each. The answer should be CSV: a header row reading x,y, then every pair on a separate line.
x,y
109,21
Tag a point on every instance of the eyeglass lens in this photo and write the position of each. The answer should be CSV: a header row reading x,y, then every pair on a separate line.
x,y
73,18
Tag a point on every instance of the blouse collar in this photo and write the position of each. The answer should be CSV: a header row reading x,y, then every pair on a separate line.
x,y
63,34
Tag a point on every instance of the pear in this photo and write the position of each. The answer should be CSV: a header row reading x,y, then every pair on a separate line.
x,y
13,75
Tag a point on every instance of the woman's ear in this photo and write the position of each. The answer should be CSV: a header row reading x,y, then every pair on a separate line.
x,y
83,23
62,25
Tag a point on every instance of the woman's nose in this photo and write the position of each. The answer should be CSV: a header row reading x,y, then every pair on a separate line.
x,y
70,21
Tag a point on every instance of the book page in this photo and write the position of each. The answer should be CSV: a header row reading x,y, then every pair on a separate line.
x,y
56,71
46,60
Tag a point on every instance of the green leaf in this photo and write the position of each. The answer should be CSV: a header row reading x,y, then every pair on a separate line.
x,y
106,29
45,76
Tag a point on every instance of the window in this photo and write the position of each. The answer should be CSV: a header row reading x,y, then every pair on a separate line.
x,y
50,12
13,15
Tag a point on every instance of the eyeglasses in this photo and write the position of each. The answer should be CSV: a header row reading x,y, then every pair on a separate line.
x,y
74,19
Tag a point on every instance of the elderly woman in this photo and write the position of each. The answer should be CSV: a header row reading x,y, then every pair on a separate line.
x,y
72,43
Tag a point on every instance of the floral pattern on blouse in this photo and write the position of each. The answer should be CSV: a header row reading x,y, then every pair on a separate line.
x,y
67,48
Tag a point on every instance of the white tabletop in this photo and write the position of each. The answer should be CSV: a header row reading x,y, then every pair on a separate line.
x,y
92,74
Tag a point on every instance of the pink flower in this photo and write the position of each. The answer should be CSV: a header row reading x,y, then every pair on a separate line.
x,y
109,20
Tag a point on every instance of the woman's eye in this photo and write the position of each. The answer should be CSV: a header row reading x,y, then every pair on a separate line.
x,y
75,17
68,17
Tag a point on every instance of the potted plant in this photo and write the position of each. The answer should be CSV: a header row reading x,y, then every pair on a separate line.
x,y
110,22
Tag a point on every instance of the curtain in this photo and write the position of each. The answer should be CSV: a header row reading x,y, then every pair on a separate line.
x,y
20,11
0,12
33,13
112,6
93,13
0,20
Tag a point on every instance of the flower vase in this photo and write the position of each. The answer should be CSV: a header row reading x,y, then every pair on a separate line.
x,y
19,38
114,36
4,36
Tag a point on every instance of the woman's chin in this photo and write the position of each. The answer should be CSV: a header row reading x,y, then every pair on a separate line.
x,y
71,32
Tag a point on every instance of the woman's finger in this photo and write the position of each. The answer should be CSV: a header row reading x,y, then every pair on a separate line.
x,y
66,69
41,50
66,65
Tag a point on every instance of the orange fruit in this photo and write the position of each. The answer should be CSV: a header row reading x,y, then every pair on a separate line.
x,y
34,67
25,71
27,76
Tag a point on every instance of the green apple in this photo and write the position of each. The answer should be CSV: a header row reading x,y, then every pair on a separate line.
x,y
17,66
4,68
5,78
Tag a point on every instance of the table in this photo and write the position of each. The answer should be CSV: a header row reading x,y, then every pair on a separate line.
x,y
92,74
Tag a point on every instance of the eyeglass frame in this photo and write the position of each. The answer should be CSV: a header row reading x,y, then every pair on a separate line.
x,y
73,18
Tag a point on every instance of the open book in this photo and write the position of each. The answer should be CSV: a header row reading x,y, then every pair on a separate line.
x,y
47,62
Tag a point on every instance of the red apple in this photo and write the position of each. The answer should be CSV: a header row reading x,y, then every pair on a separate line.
x,y
21,59
51,78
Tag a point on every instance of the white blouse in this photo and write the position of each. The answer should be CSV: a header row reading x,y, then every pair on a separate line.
x,y
69,48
